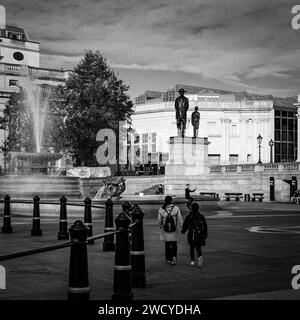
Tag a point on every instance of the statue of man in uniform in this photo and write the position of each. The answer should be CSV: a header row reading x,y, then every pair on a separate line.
x,y
195,122
181,107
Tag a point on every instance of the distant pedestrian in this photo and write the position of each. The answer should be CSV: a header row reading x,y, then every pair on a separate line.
x,y
196,226
188,195
160,189
170,222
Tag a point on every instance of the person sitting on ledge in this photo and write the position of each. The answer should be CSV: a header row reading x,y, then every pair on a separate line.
x,y
160,189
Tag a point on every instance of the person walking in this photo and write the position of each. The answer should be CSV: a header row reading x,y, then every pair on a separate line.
x,y
170,221
195,224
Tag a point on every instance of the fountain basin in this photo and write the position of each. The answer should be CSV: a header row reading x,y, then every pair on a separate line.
x,y
26,163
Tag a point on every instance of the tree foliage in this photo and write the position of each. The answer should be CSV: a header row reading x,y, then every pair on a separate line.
x,y
91,99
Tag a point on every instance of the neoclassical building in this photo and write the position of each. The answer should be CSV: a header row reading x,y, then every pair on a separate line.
x,y
232,121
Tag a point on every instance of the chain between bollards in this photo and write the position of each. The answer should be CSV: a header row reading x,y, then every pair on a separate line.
x,y
122,268
79,288
7,228
109,241
36,220
88,218
63,233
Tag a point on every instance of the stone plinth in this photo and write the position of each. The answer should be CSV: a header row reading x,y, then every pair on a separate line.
x,y
187,156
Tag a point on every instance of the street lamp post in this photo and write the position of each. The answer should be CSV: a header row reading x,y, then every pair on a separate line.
x,y
129,144
271,144
259,140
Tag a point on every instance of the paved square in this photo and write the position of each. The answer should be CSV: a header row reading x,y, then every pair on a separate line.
x,y
250,253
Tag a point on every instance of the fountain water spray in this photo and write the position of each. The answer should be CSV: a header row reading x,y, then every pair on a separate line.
x,y
38,108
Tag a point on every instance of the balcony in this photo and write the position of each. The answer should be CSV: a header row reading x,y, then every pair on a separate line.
x,y
40,73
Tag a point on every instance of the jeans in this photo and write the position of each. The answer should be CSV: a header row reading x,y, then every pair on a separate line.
x,y
192,251
170,250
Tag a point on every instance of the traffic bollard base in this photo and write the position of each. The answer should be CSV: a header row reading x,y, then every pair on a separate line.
x,y
139,280
122,297
36,232
78,296
6,229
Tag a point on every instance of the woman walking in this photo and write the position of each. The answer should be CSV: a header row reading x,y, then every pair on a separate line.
x,y
170,221
196,225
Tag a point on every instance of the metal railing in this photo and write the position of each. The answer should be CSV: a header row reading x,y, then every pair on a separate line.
x,y
129,268
265,167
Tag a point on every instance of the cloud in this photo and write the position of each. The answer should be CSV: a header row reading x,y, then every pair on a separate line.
x,y
236,41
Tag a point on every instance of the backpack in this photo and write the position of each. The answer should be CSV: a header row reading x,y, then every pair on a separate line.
x,y
169,225
197,228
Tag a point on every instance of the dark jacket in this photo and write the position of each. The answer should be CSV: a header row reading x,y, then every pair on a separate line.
x,y
187,193
196,226
185,108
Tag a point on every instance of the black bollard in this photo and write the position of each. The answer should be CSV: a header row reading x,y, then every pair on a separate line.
x,y
109,241
36,220
63,233
122,268
137,249
78,270
88,217
7,228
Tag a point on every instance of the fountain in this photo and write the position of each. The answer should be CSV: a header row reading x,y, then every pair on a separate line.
x,y
35,161
32,170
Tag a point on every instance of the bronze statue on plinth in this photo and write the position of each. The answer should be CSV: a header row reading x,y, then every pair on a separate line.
x,y
181,107
195,122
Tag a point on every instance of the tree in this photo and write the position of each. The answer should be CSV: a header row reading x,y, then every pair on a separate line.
x,y
92,98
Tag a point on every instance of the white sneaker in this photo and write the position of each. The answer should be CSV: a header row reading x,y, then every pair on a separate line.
x,y
192,263
200,261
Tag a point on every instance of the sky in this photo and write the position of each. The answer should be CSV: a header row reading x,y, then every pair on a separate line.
x,y
243,45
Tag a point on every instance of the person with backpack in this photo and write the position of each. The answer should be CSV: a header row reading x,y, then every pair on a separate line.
x,y
196,226
170,222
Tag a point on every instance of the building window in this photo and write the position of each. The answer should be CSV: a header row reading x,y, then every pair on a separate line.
x,y
211,126
145,138
214,159
13,82
145,153
233,158
153,141
285,135
18,56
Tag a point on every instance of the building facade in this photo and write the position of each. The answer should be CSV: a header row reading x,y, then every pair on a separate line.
x,y
232,121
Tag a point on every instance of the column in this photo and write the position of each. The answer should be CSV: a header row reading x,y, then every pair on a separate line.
x,y
227,140
254,141
243,141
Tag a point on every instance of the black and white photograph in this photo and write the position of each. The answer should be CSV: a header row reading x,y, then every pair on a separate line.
x,y
150,154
